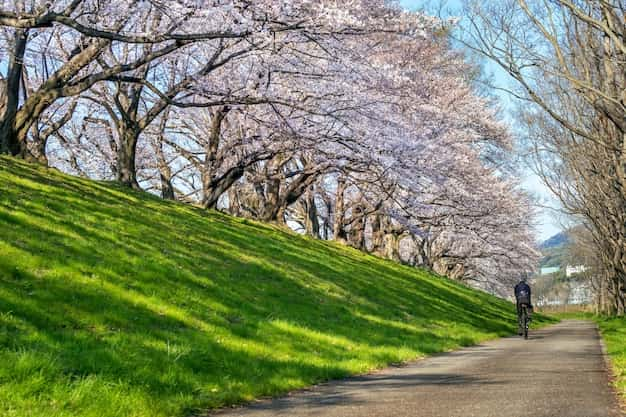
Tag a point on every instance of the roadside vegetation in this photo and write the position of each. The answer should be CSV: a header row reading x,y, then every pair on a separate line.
x,y
614,334
117,303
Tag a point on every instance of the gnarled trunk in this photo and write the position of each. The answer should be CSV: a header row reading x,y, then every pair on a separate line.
x,y
216,187
9,139
16,123
126,157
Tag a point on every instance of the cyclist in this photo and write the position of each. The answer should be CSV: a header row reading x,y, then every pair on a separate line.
x,y
522,296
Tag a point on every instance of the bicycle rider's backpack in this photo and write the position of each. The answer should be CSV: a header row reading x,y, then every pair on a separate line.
x,y
523,297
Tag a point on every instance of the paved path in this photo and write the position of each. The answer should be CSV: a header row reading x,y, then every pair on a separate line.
x,y
559,372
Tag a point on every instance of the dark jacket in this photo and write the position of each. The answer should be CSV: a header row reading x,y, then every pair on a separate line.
x,y
521,289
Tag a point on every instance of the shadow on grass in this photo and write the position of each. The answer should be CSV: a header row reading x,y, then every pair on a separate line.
x,y
171,310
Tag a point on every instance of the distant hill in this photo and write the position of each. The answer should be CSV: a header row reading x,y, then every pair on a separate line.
x,y
560,239
554,250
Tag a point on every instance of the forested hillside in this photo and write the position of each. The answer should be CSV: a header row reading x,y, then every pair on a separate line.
x,y
555,241
554,251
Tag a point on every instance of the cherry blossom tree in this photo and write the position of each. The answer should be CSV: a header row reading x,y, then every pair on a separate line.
x,y
352,120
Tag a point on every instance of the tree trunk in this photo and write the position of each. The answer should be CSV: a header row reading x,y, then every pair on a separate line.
x,y
271,208
339,233
312,225
378,235
216,187
15,125
280,215
9,140
282,197
326,226
392,247
234,205
604,308
357,228
391,241
126,157
167,189
211,187
165,171
37,153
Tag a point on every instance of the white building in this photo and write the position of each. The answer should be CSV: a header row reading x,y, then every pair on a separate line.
x,y
571,270
580,294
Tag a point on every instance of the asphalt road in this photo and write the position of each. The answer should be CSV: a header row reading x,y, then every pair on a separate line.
x,y
559,372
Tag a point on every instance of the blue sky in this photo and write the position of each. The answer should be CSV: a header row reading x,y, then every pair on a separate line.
x,y
549,223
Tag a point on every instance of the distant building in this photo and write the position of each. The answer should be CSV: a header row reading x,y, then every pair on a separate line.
x,y
580,294
546,270
577,269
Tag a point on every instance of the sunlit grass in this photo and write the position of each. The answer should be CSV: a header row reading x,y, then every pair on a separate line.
x,y
116,303
614,334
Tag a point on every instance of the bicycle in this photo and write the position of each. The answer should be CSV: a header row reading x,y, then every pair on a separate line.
x,y
525,319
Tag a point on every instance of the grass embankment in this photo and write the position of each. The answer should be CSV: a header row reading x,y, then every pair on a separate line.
x,y
116,303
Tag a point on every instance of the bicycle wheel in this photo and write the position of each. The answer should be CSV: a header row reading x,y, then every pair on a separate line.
x,y
525,321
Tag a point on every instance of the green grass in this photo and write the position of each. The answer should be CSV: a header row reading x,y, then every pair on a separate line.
x,y
116,303
614,334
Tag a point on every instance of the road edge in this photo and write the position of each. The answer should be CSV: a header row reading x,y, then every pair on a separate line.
x,y
621,401
217,412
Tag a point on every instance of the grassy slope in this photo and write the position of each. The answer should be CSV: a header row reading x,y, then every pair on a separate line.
x,y
116,303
